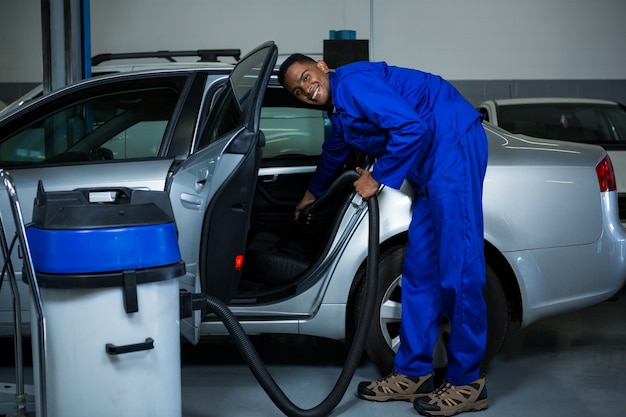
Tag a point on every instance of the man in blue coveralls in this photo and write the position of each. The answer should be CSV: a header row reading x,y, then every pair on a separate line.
x,y
419,129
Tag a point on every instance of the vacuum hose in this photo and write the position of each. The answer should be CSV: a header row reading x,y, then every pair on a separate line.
x,y
353,358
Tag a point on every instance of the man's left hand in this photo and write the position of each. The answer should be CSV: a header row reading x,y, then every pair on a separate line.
x,y
366,186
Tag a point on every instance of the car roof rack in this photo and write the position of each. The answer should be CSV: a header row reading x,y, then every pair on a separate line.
x,y
205,55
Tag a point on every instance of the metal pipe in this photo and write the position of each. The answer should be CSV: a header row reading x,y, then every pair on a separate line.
x,y
20,400
29,273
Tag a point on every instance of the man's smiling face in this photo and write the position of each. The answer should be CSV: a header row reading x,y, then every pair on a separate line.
x,y
309,83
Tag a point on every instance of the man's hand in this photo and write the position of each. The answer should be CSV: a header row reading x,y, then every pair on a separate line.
x,y
366,186
308,198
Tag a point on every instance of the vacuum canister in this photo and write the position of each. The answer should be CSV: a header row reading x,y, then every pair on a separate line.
x,y
107,263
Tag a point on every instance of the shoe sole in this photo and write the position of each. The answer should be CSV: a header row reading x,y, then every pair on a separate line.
x,y
475,406
380,398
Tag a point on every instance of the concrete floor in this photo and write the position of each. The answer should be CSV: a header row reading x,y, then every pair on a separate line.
x,y
571,365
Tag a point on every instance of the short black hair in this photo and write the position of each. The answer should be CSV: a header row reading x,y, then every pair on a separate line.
x,y
292,59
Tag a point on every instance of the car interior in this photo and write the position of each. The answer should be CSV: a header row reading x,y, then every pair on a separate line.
x,y
282,251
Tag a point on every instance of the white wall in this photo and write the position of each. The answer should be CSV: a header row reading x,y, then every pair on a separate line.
x,y
512,39
295,25
458,39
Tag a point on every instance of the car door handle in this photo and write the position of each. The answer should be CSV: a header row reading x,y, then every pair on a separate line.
x,y
269,179
190,200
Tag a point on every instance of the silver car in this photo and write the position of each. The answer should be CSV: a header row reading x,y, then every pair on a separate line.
x,y
235,152
586,120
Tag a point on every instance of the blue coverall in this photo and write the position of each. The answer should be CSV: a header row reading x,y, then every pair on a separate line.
x,y
421,129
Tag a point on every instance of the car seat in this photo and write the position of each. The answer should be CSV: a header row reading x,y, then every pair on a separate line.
x,y
276,259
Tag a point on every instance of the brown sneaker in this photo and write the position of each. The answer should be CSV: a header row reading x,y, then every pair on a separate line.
x,y
396,387
448,400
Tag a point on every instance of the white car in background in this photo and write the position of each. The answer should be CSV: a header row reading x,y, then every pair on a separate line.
x,y
598,122
112,63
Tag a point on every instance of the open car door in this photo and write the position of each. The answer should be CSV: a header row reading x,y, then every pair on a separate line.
x,y
215,186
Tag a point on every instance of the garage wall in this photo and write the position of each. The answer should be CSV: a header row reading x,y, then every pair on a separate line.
x,y
504,39
488,48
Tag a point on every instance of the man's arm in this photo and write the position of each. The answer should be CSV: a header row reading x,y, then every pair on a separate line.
x,y
366,186
308,198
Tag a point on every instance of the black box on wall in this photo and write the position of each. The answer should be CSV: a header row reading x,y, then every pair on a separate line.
x,y
341,52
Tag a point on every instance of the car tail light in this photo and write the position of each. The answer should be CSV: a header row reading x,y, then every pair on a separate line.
x,y
606,176
238,261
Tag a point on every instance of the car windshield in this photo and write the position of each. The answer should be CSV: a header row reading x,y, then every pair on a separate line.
x,y
579,122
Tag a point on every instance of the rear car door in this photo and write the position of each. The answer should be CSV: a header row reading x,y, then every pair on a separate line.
x,y
213,190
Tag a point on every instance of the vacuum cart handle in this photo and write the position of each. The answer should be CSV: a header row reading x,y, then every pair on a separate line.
x,y
111,349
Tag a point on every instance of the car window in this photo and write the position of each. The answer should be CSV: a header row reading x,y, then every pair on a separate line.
x,y
235,103
589,123
292,129
229,110
120,120
293,132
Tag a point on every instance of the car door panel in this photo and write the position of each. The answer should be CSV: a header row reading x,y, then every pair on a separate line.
x,y
278,192
212,191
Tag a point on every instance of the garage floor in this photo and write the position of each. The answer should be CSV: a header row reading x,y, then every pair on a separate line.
x,y
572,365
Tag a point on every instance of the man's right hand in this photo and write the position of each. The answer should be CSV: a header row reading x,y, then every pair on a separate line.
x,y
307,199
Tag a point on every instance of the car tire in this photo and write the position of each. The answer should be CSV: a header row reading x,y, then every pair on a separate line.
x,y
383,337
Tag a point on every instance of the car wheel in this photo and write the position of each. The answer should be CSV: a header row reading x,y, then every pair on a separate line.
x,y
383,337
